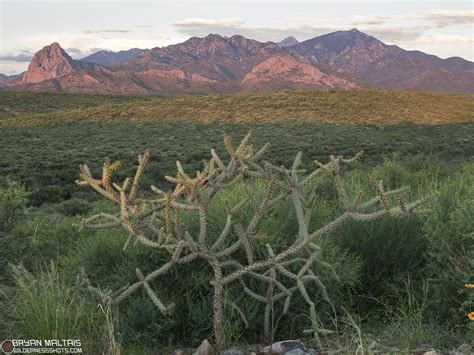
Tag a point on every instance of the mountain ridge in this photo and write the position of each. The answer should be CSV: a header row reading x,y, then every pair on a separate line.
x,y
214,63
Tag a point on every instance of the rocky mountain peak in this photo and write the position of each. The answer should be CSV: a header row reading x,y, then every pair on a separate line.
x,y
341,40
48,63
203,47
209,39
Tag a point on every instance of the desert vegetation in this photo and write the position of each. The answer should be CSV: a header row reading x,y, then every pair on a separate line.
x,y
378,107
390,282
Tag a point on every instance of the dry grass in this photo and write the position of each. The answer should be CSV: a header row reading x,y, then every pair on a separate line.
x,y
342,107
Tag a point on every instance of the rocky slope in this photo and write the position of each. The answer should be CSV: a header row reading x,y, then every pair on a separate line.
x,y
51,62
287,69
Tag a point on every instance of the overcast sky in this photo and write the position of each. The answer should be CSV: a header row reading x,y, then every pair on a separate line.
x,y
441,28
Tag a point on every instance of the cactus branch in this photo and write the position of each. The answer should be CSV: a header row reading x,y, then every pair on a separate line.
x,y
286,273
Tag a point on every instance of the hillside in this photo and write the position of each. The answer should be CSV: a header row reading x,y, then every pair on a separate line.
x,y
355,107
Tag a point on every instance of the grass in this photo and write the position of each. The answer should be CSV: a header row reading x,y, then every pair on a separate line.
x,y
19,103
408,313
341,107
46,306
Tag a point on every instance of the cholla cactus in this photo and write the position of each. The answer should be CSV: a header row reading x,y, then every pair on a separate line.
x,y
163,216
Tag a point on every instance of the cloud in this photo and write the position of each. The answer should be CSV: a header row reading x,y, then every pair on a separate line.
x,y
231,26
23,56
369,21
10,67
372,25
76,52
396,34
98,49
445,18
86,44
207,22
277,34
107,31
441,39
445,45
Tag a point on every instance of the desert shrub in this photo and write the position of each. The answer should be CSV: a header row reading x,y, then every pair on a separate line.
x,y
432,250
50,173
142,325
74,207
450,252
13,200
48,193
390,251
39,237
101,255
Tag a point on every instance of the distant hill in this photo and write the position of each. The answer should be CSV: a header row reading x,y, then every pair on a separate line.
x,y
108,58
342,60
288,42
6,78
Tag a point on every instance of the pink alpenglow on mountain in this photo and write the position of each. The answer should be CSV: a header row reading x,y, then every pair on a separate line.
x,y
342,60
50,62
289,69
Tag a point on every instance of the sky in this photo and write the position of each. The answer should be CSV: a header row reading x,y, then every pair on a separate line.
x,y
443,28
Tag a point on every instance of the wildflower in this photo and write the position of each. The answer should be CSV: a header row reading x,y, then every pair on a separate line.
x,y
469,285
470,315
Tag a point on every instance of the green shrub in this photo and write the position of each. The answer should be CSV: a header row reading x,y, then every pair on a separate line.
x,y
13,199
450,231
74,207
39,237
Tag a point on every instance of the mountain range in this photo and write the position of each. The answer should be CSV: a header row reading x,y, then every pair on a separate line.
x,y
341,60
